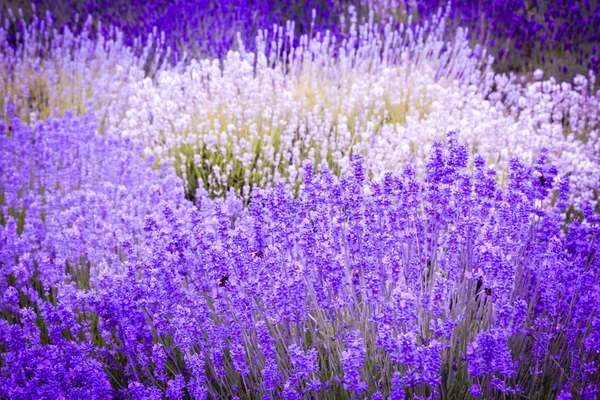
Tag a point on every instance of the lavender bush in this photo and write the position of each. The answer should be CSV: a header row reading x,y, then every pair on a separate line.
x,y
407,287
48,72
70,202
203,28
386,95
560,37
339,243
383,90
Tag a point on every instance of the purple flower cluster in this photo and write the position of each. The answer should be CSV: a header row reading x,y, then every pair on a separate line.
x,y
72,206
562,33
200,27
113,285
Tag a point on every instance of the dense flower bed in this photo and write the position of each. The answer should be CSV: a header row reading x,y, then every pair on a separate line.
x,y
561,35
433,286
201,27
386,92
367,212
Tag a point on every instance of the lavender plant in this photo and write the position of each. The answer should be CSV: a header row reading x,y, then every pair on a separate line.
x,y
250,121
407,287
385,91
199,28
71,202
560,37
46,72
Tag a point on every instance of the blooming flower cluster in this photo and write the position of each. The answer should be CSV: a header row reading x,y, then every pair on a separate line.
x,y
199,27
369,211
560,35
72,205
429,287
49,72
252,120
387,91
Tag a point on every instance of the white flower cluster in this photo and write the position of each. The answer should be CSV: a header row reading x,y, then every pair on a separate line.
x,y
44,72
384,91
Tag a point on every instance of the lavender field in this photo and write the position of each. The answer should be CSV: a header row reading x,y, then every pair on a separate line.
x,y
300,199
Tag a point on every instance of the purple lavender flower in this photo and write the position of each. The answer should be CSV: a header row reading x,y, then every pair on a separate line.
x,y
119,287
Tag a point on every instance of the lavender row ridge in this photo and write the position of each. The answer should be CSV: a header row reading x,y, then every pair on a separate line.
x,y
309,199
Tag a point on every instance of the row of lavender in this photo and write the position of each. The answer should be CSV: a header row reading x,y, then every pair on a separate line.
x,y
116,286
561,36
249,120
446,278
